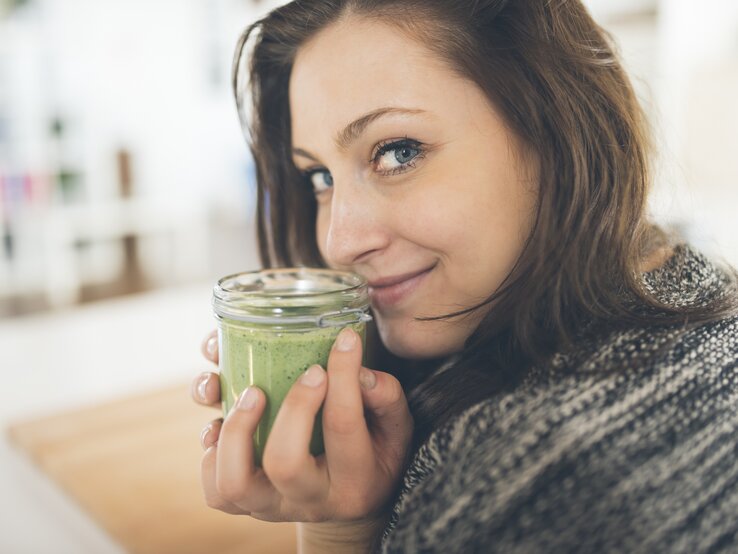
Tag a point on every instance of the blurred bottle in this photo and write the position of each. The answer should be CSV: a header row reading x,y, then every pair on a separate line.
x,y
69,180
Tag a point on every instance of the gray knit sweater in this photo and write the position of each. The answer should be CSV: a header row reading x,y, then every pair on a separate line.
x,y
629,444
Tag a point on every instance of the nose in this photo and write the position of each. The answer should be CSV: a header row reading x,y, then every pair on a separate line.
x,y
352,226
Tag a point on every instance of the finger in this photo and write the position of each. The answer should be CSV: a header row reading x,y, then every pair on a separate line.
x,y
211,433
210,347
295,473
208,472
205,389
387,409
347,441
237,480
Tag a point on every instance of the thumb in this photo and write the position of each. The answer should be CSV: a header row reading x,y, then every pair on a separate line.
x,y
389,413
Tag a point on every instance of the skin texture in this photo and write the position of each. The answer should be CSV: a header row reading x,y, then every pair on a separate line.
x,y
465,205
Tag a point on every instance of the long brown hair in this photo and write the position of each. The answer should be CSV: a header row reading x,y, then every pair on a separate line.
x,y
553,75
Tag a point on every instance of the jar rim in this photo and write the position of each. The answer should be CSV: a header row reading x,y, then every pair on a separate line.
x,y
289,295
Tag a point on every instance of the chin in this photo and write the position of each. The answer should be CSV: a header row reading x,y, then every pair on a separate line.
x,y
419,340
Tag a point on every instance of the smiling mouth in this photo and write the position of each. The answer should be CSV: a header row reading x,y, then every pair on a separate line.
x,y
391,291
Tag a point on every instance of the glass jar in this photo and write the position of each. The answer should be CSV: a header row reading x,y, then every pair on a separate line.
x,y
274,324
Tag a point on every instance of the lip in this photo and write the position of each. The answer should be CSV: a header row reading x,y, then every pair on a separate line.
x,y
390,291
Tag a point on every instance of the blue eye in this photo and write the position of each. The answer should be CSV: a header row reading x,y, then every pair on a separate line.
x,y
320,179
397,156
404,155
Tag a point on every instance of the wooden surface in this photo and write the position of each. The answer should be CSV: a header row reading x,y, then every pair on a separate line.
x,y
134,466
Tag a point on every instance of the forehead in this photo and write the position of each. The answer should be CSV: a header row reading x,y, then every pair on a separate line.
x,y
355,66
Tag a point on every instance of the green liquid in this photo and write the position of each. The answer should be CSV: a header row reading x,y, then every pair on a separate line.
x,y
272,360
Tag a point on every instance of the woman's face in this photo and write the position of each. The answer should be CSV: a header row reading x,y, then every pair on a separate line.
x,y
420,187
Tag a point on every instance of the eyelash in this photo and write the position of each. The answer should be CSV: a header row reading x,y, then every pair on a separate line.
x,y
380,150
389,146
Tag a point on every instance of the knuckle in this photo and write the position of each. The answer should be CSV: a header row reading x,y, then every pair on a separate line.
x,y
340,424
279,468
231,495
231,490
214,502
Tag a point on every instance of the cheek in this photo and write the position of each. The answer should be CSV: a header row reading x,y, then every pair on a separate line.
x,y
477,225
486,217
321,230
487,246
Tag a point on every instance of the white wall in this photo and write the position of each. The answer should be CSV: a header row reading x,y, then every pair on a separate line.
x,y
683,58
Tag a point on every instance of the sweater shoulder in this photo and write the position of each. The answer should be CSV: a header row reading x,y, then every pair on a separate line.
x,y
591,460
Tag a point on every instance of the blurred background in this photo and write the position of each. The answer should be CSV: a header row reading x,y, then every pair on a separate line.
x,y
126,189
122,165
123,168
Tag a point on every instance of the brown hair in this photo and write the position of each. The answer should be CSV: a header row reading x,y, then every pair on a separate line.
x,y
552,73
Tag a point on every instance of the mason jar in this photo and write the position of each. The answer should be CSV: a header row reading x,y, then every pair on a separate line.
x,y
274,324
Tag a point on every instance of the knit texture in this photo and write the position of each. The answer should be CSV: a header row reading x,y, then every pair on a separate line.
x,y
628,444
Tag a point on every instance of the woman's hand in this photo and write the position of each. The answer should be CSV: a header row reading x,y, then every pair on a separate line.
x,y
367,429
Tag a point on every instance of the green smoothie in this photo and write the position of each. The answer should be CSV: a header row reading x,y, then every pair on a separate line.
x,y
272,360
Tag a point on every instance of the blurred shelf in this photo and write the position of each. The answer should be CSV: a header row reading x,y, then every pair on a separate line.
x,y
51,242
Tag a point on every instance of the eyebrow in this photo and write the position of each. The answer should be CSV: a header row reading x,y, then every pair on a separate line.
x,y
353,130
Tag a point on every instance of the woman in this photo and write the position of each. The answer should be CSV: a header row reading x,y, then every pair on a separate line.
x,y
570,371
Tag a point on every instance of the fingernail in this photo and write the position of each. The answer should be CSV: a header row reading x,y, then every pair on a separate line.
x,y
202,387
346,340
313,377
248,399
205,433
212,346
367,379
